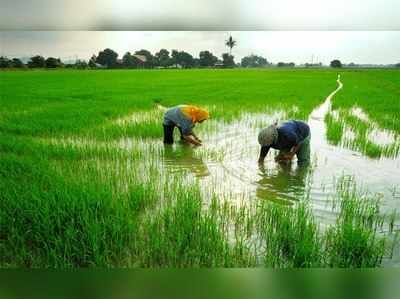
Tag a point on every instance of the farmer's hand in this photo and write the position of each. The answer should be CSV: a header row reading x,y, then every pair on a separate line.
x,y
287,157
197,142
196,138
284,157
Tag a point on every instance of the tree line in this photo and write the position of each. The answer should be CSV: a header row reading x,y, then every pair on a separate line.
x,y
108,58
143,58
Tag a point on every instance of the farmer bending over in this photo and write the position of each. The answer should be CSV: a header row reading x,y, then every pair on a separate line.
x,y
184,117
290,138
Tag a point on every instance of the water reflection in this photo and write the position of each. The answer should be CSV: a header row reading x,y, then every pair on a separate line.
x,y
283,184
181,158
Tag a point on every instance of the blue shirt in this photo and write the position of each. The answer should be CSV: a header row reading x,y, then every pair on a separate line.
x,y
175,117
290,133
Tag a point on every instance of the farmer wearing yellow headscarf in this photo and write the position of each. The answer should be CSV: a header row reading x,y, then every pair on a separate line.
x,y
185,117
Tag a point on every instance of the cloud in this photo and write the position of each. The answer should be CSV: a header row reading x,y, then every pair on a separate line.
x,y
199,15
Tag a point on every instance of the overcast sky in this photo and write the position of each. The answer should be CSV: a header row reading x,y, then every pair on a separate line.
x,y
199,15
378,47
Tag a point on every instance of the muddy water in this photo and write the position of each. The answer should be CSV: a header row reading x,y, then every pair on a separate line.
x,y
226,165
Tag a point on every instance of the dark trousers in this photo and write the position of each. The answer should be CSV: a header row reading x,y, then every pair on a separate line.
x,y
169,134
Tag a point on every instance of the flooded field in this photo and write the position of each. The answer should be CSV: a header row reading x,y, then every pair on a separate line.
x,y
227,163
212,205
229,168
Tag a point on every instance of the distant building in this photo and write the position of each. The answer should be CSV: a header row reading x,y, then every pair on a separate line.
x,y
100,66
219,65
313,65
175,66
142,58
370,65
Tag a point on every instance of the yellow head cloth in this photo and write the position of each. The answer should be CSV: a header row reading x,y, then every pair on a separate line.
x,y
196,114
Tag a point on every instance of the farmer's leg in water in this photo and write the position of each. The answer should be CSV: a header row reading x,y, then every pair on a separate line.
x,y
303,154
168,134
180,131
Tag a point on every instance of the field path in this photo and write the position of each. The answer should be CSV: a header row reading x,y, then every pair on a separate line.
x,y
321,111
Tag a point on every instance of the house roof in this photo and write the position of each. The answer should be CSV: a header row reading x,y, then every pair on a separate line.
x,y
142,58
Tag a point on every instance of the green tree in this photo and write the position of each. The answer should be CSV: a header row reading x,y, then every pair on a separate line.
x,y
227,60
107,58
37,61
230,43
174,57
129,61
284,64
336,63
196,62
81,64
52,62
182,58
17,63
4,62
185,59
162,58
92,61
206,58
254,61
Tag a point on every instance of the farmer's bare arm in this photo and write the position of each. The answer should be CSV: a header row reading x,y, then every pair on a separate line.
x,y
295,149
195,136
190,138
292,152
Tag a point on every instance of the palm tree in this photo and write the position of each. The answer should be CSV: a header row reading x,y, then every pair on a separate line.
x,y
230,42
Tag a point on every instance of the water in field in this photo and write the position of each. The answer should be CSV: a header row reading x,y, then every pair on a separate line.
x,y
226,165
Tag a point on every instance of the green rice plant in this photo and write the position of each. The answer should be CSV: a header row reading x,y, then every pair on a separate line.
x,y
360,141
334,129
372,150
182,235
290,236
144,124
152,129
46,104
53,221
82,182
354,240
376,92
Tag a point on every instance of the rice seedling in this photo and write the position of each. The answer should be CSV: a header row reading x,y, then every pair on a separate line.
x,y
335,129
53,221
376,92
74,102
354,241
366,136
86,182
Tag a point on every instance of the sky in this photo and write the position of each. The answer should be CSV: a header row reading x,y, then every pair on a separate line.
x,y
359,31
199,15
376,47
